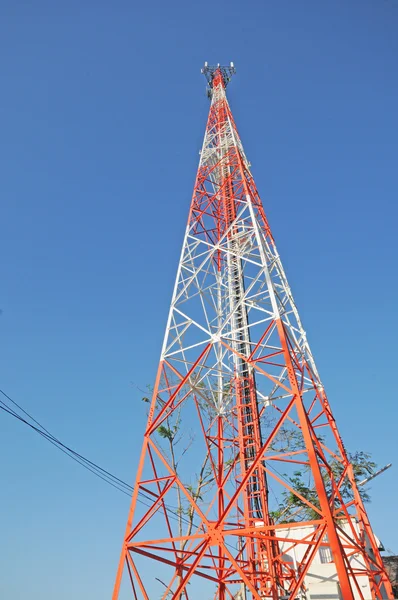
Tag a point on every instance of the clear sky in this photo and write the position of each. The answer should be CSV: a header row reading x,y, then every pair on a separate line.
x,y
103,111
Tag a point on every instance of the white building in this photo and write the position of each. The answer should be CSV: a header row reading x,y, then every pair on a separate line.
x,y
321,581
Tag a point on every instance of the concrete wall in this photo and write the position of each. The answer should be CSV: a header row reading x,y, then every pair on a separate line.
x,y
321,581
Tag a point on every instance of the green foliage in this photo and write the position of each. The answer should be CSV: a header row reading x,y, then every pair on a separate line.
x,y
288,440
168,433
194,492
362,466
293,508
147,399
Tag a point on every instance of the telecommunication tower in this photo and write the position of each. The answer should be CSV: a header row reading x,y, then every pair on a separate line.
x,y
237,407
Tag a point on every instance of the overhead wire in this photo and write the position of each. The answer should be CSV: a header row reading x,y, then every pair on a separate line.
x,y
106,476
84,462
47,434
97,470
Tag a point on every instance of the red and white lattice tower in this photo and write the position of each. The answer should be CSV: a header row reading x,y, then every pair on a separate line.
x,y
236,382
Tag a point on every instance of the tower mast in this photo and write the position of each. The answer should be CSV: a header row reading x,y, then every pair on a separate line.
x,y
236,379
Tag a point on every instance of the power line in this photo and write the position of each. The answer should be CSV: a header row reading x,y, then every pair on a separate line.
x,y
48,435
97,470
84,462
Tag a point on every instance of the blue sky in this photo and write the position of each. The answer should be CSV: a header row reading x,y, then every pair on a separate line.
x,y
103,111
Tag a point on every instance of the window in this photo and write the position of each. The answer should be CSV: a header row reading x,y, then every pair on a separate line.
x,y
325,554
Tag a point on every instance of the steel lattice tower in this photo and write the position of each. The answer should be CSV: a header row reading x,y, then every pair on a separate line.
x,y
236,379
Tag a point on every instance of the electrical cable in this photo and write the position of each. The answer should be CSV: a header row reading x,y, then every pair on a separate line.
x,y
65,449
47,434
96,469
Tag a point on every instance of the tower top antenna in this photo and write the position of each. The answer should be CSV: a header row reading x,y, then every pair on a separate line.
x,y
226,73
